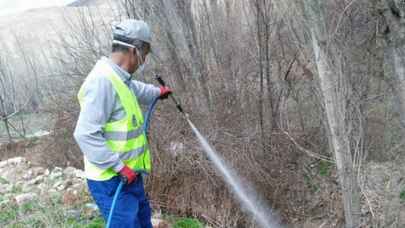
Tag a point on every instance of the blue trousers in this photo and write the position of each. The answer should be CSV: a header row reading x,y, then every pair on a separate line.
x,y
132,209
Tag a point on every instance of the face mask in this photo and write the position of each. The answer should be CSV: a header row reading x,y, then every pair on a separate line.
x,y
141,68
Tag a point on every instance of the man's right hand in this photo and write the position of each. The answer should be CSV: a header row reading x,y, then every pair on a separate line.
x,y
128,175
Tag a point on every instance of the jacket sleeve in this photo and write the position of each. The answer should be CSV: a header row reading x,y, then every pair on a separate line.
x,y
145,93
98,104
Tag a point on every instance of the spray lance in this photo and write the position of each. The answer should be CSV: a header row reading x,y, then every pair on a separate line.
x,y
175,101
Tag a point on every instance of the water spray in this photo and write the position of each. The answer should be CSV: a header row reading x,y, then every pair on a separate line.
x,y
249,200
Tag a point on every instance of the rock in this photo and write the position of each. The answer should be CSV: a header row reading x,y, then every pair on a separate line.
x,y
36,171
36,180
24,198
25,187
57,184
43,188
54,176
70,197
13,169
90,210
4,203
53,192
91,206
69,171
159,223
68,182
12,162
73,214
60,187
27,175
80,174
56,173
4,188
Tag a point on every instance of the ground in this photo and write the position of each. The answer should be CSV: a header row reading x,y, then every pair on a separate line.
x,y
32,196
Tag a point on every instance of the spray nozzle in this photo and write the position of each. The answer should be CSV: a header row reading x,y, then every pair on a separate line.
x,y
178,105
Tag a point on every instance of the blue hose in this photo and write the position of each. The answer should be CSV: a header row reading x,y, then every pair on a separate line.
x,y
149,113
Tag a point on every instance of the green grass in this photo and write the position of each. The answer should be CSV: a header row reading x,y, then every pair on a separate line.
x,y
324,168
402,195
3,181
314,187
182,222
187,223
16,189
45,214
8,214
50,212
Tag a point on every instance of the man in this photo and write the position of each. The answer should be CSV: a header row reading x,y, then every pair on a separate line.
x,y
109,130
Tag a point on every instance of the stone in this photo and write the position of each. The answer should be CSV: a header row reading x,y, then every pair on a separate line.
x,y
12,161
53,193
27,175
57,183
69,171
80,174
24,198
60,187
4,188
25,187
57,169
68,182
70,197
90,209
55,174
36,180
74,214
36,171
43,188
159,223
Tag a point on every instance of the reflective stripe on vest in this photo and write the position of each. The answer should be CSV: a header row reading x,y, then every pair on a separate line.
x,y
124,136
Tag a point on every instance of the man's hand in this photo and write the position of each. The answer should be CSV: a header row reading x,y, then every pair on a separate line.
x,y
128,175
164,92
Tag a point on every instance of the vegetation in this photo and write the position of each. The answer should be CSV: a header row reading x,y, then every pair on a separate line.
x,y
187,223
35,214
305,98
402,196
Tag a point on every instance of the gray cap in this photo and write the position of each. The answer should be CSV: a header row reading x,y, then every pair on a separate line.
x,y
127,31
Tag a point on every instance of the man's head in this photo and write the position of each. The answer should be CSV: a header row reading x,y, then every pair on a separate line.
x,y
131,44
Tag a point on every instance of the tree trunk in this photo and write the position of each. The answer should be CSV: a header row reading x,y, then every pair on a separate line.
x,y
394,52
260,39
394,69
339,137
5,121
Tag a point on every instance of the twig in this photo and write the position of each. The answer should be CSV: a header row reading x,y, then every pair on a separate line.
x,y
310,153
340,20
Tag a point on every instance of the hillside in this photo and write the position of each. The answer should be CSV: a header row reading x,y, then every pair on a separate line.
x,y
292,111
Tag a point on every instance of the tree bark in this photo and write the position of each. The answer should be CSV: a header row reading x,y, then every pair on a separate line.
x,y
339,138
394,52
394,70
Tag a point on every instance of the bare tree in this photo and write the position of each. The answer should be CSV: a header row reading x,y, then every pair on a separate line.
x,y
12,97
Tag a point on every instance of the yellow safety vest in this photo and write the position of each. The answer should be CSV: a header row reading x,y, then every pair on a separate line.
x,y
125,136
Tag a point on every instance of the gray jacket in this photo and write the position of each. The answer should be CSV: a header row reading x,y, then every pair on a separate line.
x,y
102,105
